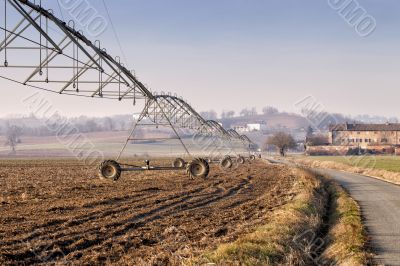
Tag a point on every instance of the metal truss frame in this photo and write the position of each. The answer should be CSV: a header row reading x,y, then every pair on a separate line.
x,y
92,71
89,71
174,112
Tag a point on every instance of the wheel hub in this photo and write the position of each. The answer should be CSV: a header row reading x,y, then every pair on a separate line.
x,y
108,171
197,169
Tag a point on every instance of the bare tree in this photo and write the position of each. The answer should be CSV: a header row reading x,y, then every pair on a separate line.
x,y
282,141
253,111
317,140
13,134
245,112
91,126
122,125
270,110
108,124
227,114
209,115
248,112
310,131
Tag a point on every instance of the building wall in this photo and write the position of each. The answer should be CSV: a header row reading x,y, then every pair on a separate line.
x,y
364,139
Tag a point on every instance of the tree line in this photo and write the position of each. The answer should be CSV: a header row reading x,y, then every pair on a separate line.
x,y
245,112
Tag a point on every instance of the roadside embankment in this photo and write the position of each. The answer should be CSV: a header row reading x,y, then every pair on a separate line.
x,y
321,225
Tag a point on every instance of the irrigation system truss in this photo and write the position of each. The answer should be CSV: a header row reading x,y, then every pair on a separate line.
x,y
43,52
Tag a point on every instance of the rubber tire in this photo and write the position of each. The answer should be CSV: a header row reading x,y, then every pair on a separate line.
x,y
240,160
179,163
226,163
207,165
198,162
114,165
252,157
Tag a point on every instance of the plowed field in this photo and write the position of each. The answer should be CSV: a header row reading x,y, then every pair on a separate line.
x,y
55,212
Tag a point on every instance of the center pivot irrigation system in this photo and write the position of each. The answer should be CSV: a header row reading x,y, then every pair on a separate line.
x,y
43,52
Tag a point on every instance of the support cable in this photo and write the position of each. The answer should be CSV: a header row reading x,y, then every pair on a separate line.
x,y
77,66
73,66
100,62
115,33
40,41
5,34
47,50
119,79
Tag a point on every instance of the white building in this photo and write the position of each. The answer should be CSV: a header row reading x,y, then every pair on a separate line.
x,y
240,129
256,127
250,127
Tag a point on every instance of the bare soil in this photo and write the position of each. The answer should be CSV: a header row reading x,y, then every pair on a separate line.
x,y
57,211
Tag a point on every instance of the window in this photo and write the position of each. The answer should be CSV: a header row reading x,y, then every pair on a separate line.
x,y
384,140
358,133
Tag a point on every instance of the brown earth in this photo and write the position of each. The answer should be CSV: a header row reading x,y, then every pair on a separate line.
x,y
55,212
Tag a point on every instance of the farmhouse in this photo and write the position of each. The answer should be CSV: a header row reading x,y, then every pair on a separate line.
x,y
354,139
364,135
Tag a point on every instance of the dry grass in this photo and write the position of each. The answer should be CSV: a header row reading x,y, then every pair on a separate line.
x,y
377,173
275,243
320,226
346,236
378,162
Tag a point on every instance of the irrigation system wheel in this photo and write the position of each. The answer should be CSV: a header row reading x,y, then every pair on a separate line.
x,y
198,168
179,163
240,160
110,170
226,163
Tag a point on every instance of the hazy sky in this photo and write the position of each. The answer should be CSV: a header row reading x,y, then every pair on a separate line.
x,y
230,54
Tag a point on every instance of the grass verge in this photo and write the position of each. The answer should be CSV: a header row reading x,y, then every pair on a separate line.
x,y
346,237
276,241
376,162
320,226
385,175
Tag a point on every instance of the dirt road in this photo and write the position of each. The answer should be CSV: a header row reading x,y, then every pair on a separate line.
x,y
380,204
